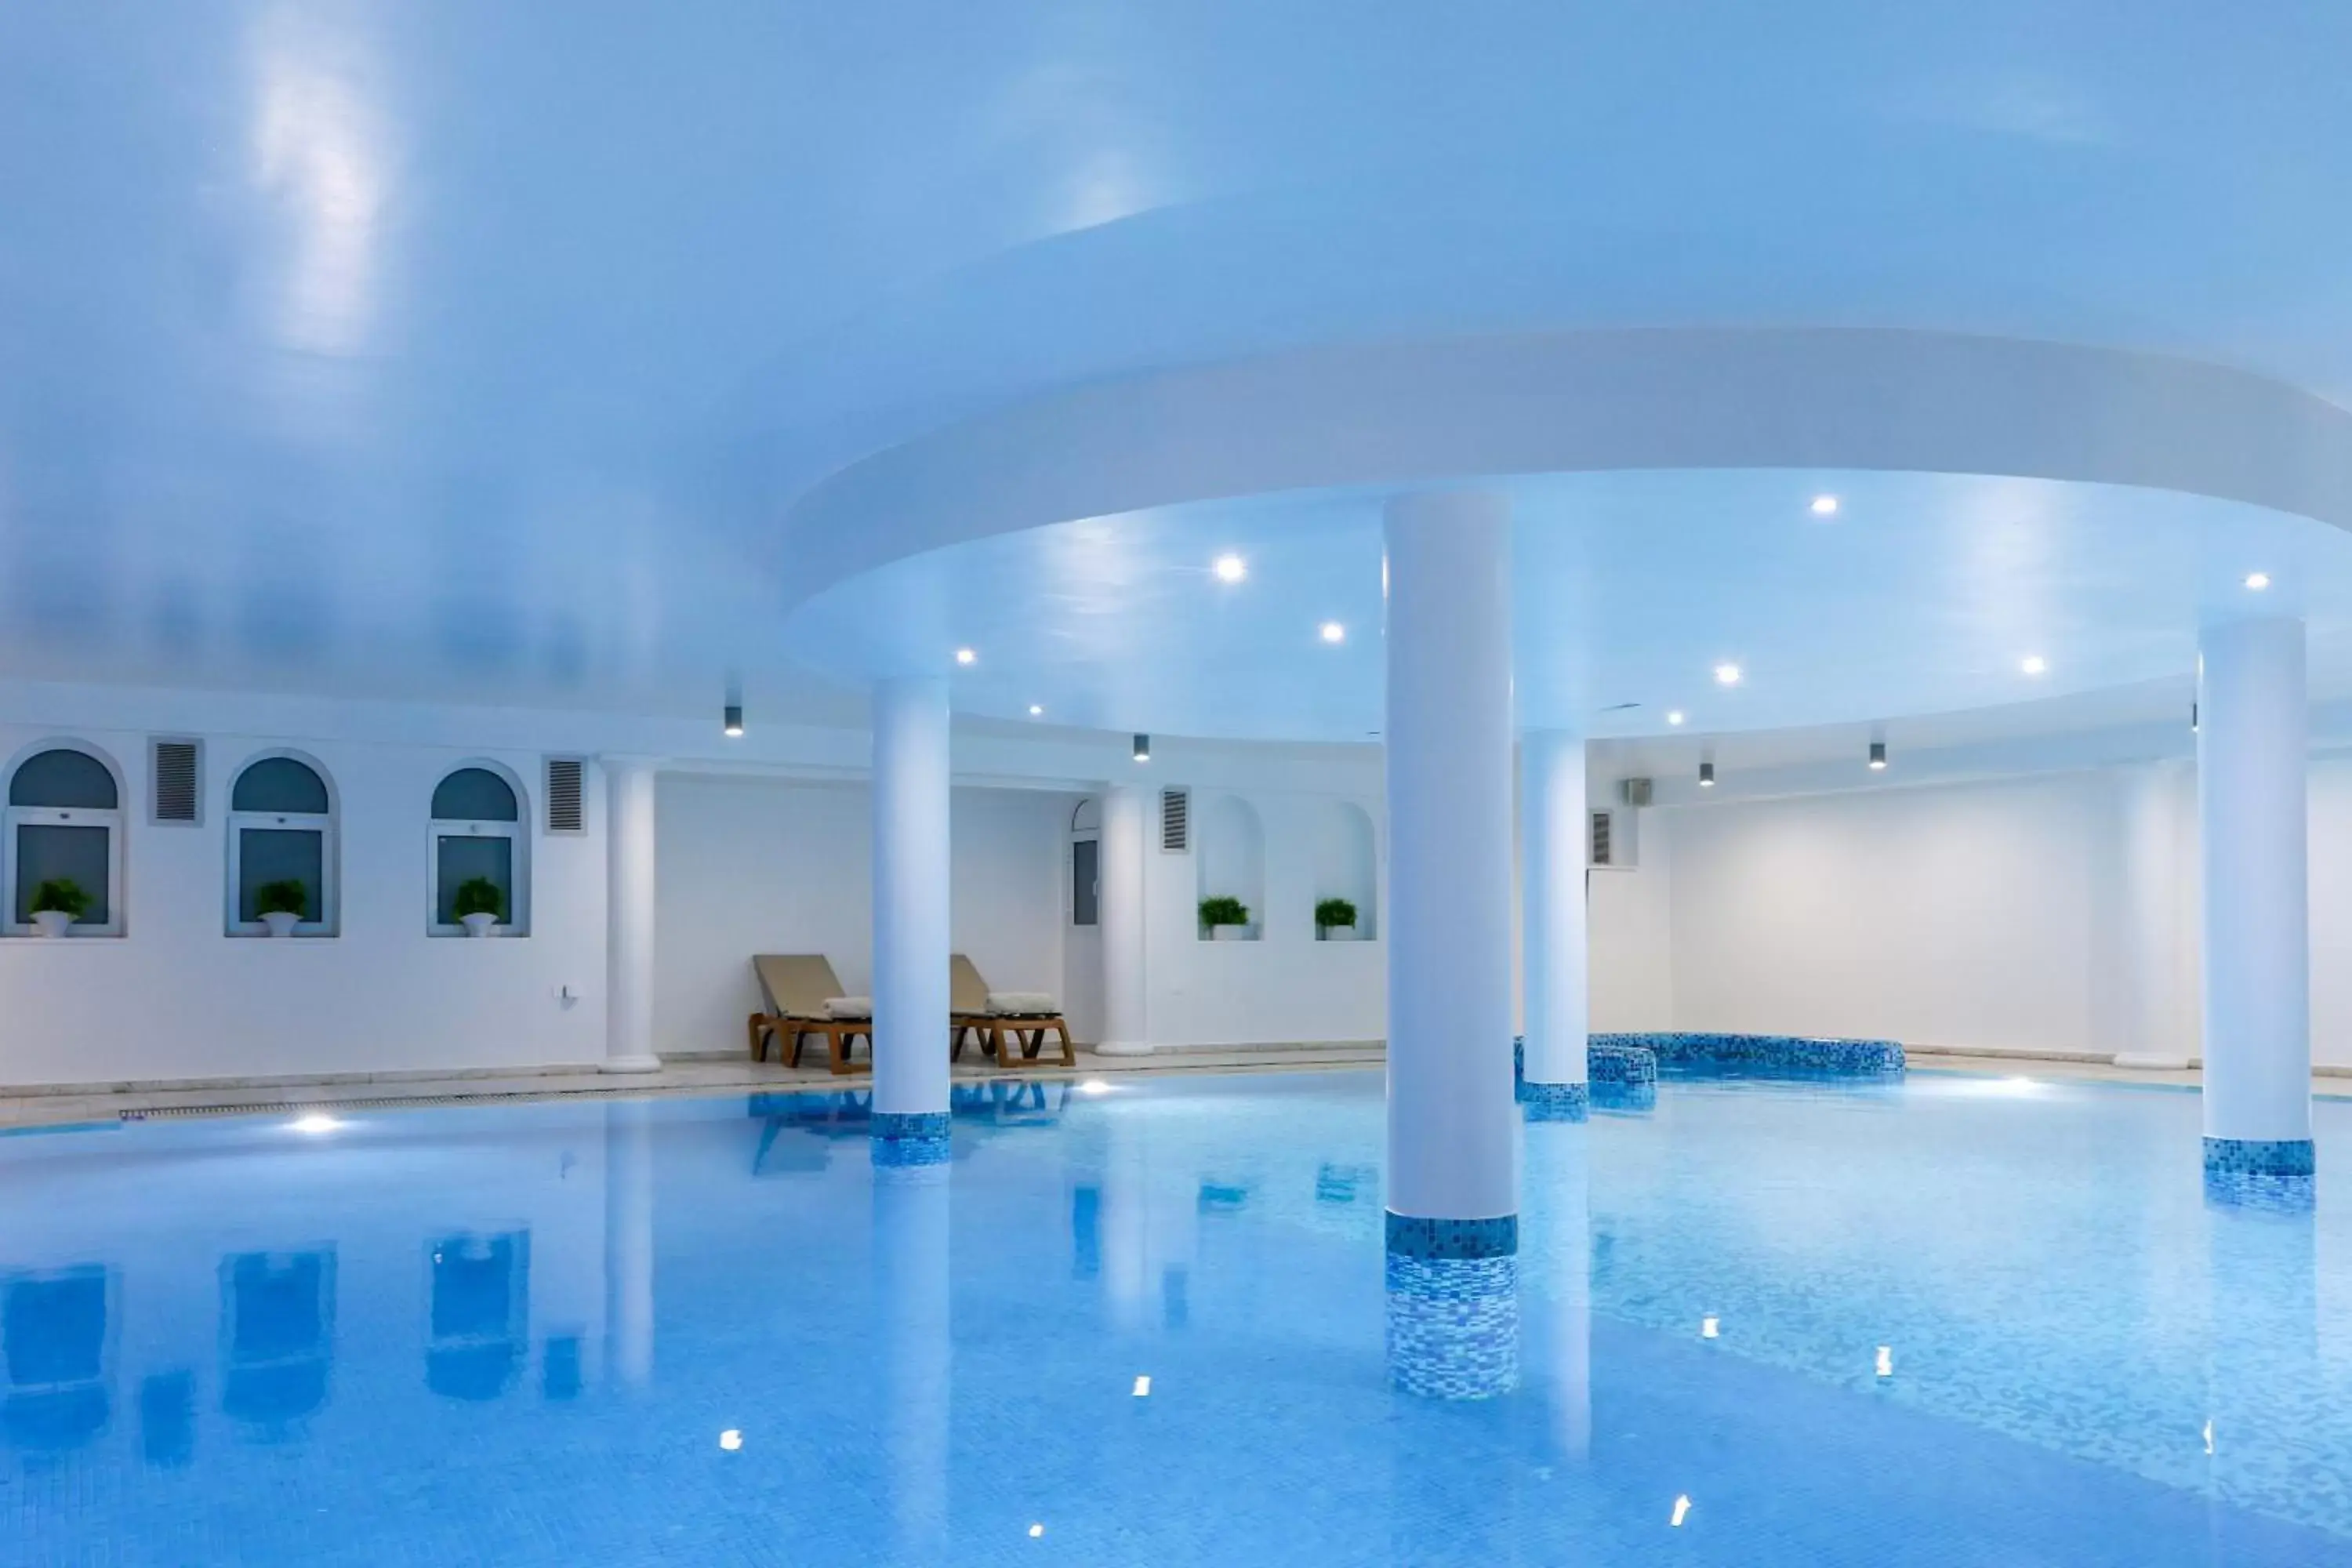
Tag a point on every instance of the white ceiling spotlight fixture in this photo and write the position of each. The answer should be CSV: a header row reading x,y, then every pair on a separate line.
x,y
2034,664
966,656
1037,710
1706,773
1726,674
1878,756
1231,568
1825,506
2258,581
1333,632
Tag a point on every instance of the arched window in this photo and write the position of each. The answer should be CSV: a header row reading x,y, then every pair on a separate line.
x,y
64,839
477,839
281,835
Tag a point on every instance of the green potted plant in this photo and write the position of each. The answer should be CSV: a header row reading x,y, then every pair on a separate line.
x,y
1335,920
282,905
57,904
478,905
1225,918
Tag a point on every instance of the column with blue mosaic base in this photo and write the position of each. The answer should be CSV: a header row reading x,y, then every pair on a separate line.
x,y
912,932
1553,831
1453,1151
2252,757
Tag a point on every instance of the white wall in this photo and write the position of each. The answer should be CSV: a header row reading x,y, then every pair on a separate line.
x,y
1284,987
2003,916
1938,916
174,997
754,865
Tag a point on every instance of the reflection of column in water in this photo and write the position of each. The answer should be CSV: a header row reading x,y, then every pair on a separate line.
x,y
2264,1389
629,1240
1147,1228
1559,1197
914,1306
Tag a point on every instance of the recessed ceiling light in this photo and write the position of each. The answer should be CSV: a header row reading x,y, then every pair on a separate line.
x,y
1675,716
1825,506
965,656
1332,631
1726,674
1231,568
2033,663
1037,710
2258,581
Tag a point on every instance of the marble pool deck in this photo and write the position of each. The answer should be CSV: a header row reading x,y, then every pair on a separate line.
x,y
82,1104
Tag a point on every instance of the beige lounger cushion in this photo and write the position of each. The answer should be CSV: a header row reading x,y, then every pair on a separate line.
x,y
967,992
849,1006
1022,1004
796,984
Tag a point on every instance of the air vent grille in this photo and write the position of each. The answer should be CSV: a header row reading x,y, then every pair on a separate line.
x,y
1176,821
567,794
174,765
1603,823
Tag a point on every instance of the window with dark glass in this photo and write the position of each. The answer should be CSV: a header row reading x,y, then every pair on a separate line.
x,y
477,840
282,830
64,835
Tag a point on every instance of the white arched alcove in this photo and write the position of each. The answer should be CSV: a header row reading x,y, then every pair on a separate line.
x,y
1231,860
1344,862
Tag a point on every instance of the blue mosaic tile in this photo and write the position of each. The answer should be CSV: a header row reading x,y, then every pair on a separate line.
x,y
909,1137
1636,1099
1607,1061
1766,1054
1453,1325
1413,1236
1555,1101
2259,1157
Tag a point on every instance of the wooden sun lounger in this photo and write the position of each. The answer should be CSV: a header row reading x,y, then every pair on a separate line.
x,y
796,988
969,1010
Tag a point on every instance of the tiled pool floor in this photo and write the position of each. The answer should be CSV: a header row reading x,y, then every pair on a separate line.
x,y
700,1330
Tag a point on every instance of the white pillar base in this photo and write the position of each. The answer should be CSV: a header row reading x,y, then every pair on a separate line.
x,y
630,1063
1123,1049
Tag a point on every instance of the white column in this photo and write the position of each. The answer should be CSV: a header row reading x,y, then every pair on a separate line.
x,y
2252,757
1552,832
2151,997
629,915
1119,909
1453,1150
910,912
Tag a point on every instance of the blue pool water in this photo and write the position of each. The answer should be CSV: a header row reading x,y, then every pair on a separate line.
x,y
706,1331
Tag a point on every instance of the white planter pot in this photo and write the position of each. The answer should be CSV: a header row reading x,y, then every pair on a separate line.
x,y
1335,933
281,922
1229,933
479,924
52,923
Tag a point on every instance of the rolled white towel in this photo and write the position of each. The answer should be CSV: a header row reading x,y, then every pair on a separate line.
x,y
1022,1004
852,1007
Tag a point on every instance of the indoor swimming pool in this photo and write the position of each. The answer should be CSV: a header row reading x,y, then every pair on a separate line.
x,y
1952,1319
